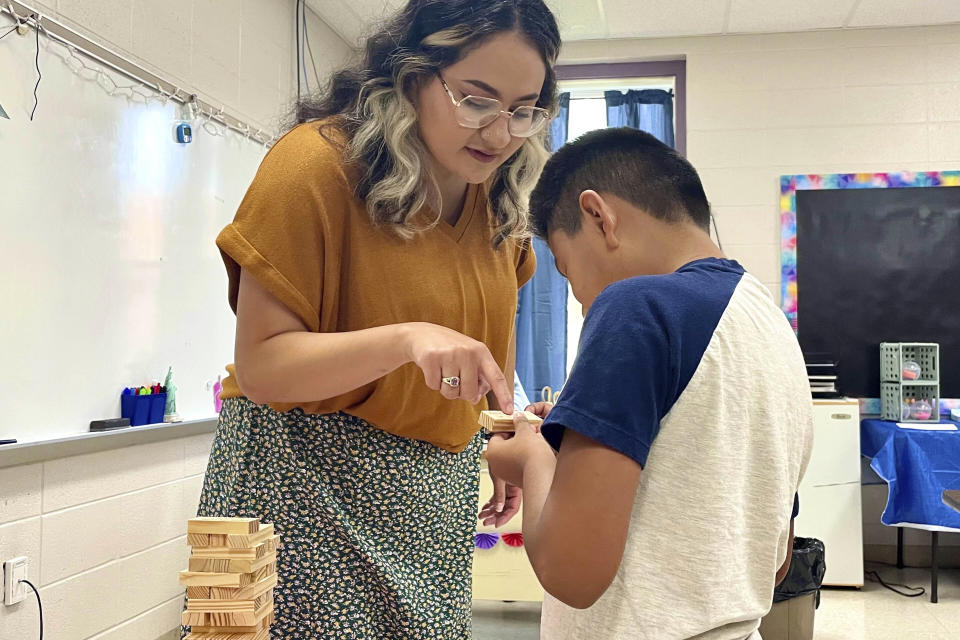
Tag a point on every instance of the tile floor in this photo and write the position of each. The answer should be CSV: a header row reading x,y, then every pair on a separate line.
x,y
873,613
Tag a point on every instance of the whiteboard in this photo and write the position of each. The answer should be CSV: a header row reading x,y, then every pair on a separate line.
x,y
108,268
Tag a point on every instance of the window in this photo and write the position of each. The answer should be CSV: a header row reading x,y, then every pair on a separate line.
x,y
586,85
588,109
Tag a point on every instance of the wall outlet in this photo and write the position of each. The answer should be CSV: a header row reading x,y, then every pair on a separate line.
x,y
14,570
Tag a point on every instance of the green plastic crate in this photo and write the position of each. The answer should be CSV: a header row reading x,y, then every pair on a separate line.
x,y
893,355
894,396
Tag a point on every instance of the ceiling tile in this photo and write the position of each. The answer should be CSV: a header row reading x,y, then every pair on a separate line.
x,y
896,13
771,16
628,18
579,19
598,19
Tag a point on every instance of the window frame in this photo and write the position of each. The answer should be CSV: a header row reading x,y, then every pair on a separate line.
x,y
650,69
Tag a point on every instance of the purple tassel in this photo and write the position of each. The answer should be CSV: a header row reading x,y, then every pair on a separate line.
x,y
485,540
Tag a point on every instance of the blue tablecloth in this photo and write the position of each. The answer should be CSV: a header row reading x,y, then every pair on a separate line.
x,y
917,466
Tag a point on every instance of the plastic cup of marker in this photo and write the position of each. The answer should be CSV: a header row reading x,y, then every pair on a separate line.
x,y
911,370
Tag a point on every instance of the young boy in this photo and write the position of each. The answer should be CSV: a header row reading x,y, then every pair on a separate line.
x,y
685,426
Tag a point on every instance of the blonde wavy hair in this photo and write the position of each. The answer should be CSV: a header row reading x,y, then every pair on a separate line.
x,y
371,109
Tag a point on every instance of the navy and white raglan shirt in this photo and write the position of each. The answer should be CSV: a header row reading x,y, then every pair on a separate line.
x,y
697,376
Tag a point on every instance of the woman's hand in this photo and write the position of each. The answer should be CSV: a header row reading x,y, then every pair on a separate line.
x,y
443,353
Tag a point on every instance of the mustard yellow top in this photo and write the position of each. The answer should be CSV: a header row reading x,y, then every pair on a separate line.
x,y
305,237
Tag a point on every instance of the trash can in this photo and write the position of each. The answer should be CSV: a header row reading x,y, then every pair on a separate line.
x,y
796,599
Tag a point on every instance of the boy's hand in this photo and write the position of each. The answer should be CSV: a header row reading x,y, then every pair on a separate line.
x,y
504,504
540,409
509,455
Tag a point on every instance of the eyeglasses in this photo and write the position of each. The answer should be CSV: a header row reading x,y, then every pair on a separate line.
x,y
477,112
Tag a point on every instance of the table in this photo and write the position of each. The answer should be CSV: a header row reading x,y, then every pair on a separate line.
x,y
917,466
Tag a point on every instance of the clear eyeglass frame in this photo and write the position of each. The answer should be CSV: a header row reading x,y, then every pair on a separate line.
x,y
477,112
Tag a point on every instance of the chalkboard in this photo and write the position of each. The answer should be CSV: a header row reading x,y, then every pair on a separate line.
x,y
879,265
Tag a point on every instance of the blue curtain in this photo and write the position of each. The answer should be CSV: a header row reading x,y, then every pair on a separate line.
x,y
558,126
542,305
649,110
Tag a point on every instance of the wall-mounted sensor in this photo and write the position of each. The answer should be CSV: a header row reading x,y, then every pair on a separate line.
x,y
184,133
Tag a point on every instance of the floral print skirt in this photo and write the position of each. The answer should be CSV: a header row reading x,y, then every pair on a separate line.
x,y
376,530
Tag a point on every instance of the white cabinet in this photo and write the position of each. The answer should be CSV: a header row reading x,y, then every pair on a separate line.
x,y
830,507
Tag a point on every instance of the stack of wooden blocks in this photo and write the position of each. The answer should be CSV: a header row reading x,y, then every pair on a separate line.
x,y
230,581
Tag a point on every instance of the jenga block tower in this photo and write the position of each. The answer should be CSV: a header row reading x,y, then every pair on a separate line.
x,y
230,580
499,422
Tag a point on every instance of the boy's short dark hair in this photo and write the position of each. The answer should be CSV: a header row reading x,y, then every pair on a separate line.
x,y
628,163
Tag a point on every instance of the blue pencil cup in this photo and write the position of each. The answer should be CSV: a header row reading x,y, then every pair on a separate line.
x,y
141,410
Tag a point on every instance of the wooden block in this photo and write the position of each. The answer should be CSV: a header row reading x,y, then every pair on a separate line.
x,y
221,606
238,619
211,579
231,565
268,545
253,629
223,579
256,628
232,606
247,598
198,539
233,540
191,618
250,540
219,621
249,553
263,572
199,593
231,619
273,542
243,526
243,593
499,422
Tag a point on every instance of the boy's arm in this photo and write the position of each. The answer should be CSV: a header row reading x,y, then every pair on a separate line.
x,y
785,567
575,518
577,505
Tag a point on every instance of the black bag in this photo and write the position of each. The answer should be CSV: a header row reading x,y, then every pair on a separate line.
x,y
806,571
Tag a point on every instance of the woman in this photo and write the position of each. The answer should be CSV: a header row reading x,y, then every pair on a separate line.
x,y
374,265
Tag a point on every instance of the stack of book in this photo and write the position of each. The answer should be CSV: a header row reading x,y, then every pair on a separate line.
x,y
822,374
